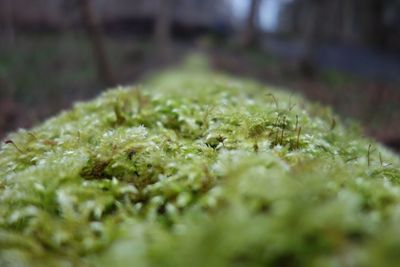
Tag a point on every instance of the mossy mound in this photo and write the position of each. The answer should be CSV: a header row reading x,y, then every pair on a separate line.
x,y
197,169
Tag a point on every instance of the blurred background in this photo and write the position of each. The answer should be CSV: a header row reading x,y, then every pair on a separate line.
x,y
343,53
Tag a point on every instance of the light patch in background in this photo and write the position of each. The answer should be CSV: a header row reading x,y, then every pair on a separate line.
x,y
268,13
240,9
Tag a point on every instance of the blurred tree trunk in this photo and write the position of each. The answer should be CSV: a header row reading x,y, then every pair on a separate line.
x,y
376,30
348,17
162,31
97,41
8,23
312,22
249,34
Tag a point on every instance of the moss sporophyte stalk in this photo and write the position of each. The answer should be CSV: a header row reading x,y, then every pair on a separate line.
x,y
197,168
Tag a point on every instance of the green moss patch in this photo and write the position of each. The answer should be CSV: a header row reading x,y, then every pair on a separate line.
x,y
200,169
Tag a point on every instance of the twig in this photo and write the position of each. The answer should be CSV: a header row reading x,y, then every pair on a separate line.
x,y
298,138
32,135
16,147
273,97
369,154
333,124
290,107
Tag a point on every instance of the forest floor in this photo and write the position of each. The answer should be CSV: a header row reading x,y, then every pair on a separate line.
x,y
43,74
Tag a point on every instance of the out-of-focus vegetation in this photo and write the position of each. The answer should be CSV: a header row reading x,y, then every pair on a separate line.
x,y
197,168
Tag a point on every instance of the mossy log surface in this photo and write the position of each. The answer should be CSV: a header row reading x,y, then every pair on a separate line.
x,y
195,168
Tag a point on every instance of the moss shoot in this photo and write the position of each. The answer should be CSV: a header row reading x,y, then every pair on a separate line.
x,y
197,169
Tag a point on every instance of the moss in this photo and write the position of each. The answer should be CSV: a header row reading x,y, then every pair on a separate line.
x,y
202,169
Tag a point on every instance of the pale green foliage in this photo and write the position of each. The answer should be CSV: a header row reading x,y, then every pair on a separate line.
x,y
197,169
